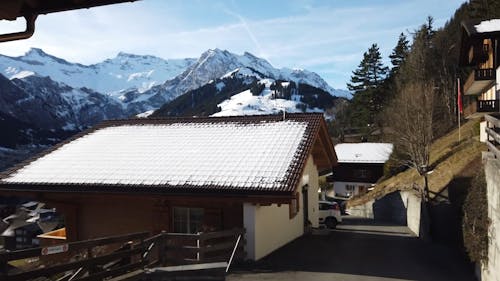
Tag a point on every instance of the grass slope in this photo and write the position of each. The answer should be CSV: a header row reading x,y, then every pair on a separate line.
x,y
449,158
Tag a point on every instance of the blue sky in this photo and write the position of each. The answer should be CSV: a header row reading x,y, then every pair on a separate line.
x,y
328,37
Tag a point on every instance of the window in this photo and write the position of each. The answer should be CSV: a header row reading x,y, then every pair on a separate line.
x,y
349,187
294,206
362,173
323,207
187,220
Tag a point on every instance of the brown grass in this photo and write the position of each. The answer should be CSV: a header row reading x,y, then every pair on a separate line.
x,y
448,157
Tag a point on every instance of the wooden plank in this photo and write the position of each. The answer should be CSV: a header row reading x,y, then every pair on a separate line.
x,y
182,235
191,267
28,253
221,246
493,120
189,249
113,272
224,233
130,276
493,134
73,265
493,149
154,238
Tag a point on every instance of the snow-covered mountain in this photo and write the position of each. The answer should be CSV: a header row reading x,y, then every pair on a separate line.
x,y
265,102
246,91
44,98
142,83
125,71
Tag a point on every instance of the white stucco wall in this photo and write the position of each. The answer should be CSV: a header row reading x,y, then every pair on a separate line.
x,y
311,174
491,271
270,227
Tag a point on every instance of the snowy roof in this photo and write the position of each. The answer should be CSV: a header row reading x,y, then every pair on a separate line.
x,y
481,28
363,152
238,153
488,26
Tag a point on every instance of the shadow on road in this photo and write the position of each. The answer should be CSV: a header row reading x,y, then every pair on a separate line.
x,y
367,253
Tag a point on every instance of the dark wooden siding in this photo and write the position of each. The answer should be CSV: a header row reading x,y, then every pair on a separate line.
x,y
357,172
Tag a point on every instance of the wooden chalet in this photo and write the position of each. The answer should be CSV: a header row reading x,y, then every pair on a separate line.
x,y
479,49
360,166
185,175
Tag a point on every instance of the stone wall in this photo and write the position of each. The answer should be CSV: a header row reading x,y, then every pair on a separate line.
x,y
491,271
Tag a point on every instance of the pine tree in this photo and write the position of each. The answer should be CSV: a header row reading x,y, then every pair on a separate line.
x,y
377,71
359,80
399,53
370,73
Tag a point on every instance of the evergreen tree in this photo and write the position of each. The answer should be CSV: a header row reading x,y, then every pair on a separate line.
x,y
359,79
399,53
368,97
370,73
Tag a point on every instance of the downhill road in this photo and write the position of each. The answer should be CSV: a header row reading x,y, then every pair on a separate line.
x,y
359,249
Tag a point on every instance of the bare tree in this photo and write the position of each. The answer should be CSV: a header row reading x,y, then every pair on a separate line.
x,y
410,119
411,115
412,123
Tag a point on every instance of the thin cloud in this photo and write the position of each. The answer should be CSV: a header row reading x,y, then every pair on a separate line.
x,y
329,38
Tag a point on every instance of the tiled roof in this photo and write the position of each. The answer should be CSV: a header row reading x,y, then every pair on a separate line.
x,y
254,153
363,152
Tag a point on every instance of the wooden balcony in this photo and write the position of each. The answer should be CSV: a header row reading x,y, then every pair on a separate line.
x,y
478,80
488,105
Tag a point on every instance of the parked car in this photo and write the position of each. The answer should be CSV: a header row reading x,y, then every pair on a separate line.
x,y
329,214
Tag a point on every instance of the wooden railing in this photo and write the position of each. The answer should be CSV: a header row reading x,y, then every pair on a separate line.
x,y
84,260
180,248
484,74
102,258
488,105
479,75
493,133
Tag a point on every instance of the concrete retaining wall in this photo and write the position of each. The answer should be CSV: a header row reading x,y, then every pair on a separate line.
x,y
491,271
413,204
400,207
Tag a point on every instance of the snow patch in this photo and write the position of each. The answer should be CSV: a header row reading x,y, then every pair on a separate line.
x,y
145,114
22,74
245,103
488,26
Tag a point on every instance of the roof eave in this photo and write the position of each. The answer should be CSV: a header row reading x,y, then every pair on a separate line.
x,y
261,195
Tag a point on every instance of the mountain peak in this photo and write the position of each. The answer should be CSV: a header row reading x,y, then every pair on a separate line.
x,y
248,54
36,51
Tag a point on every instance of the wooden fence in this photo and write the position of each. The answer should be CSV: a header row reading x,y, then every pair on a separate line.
x,y
179,248
101,258
493,133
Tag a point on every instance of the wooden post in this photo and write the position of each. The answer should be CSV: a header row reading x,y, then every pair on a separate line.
x,y
201,247
3,269
162,253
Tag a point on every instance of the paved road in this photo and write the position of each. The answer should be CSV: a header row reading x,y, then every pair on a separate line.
x,y
359,250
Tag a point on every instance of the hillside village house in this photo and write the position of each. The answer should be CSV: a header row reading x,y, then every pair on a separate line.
x,y
479,51
185,175
360,165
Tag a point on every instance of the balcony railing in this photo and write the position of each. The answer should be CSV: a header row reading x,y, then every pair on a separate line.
x,y
488,105
493,132
478,80
484,74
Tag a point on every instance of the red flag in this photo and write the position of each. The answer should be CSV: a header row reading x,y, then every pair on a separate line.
x,y
459,98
